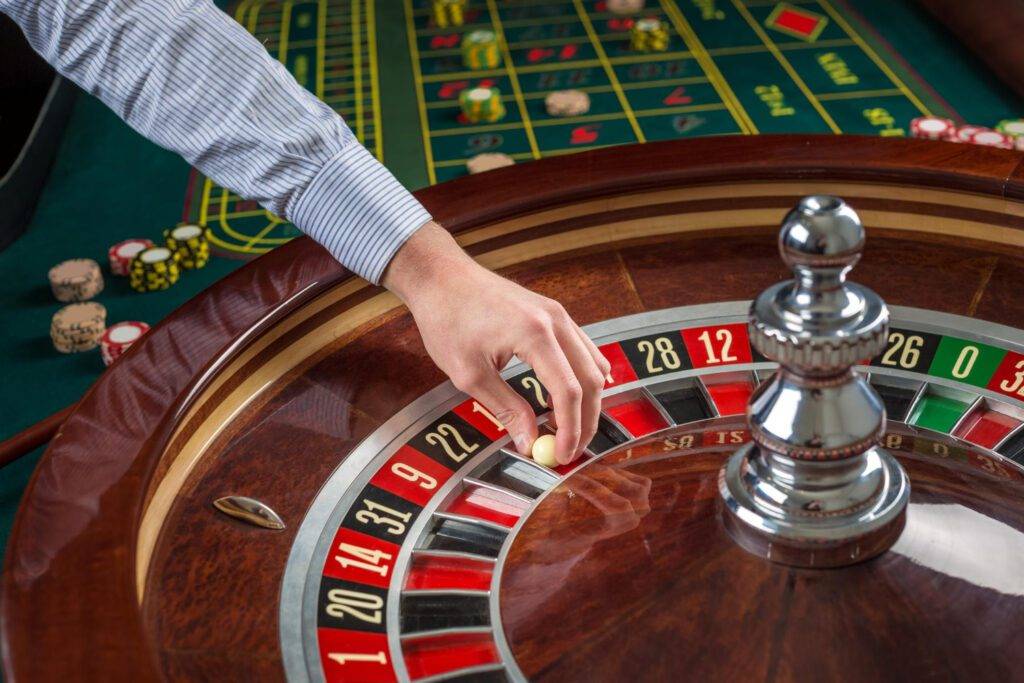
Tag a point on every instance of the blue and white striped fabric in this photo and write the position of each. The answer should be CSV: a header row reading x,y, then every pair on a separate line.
x,y
191,79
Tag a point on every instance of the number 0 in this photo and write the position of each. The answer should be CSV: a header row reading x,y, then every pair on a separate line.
x,y
965,362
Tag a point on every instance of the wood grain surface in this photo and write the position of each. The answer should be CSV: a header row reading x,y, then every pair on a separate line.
x,y
211,590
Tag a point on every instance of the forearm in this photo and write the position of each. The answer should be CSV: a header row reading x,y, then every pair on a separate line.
x,y
191,79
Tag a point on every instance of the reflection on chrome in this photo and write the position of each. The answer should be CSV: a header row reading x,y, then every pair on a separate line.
x,y
965,544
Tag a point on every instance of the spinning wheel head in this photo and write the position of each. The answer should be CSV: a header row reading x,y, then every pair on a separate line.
x,y
813,489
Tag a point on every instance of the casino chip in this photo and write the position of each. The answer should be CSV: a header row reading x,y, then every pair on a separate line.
x,y
649,35
448,12
567,103
932,128
488,161
1012,127
78,327
966,132
625,6
118,338
480,50
79,279
991,138
191,243
121,254
154,269
482,105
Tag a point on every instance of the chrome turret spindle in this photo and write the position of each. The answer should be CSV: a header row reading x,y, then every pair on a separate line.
x,y
814,488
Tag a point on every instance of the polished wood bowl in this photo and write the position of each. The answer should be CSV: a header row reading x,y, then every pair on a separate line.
x,y
118,567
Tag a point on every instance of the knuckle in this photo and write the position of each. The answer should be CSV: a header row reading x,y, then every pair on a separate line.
x,y
537,323
555,309
467,379
572,391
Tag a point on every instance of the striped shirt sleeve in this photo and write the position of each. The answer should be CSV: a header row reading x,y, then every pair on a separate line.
x,y
191,79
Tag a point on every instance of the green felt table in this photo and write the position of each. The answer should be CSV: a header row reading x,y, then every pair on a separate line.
x,y
736,66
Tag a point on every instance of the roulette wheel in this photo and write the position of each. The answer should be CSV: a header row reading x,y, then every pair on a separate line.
x,y
277,483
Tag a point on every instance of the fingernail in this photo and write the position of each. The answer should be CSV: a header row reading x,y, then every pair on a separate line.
x,y
609,379
522,443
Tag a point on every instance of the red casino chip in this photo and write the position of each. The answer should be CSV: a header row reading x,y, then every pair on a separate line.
x,y
122,253
932,128
991,138
118,338
966,132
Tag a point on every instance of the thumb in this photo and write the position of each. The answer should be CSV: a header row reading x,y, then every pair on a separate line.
x,y
508,407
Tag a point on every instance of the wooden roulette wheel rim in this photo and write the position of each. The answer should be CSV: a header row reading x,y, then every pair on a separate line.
x,y
117,561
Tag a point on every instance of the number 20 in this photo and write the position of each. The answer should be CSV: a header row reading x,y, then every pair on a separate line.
x,y
363,606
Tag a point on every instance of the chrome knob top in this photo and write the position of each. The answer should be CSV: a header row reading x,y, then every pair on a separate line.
x,y
821,230
819,323
814,489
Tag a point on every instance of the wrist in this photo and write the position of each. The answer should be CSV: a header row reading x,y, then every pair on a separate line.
x,y
428,262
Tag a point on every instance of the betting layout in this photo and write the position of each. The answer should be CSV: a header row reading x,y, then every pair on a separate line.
x,y
728,67
395,572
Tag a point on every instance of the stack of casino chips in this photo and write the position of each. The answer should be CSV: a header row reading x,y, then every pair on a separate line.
x,y
1014,129
121,254
624,6
482,105
118,338
649,35
480,50
932,128
488,161
78,327
79,279
191,244
448,12
567,103
1008,134
991,138
154,269
965,133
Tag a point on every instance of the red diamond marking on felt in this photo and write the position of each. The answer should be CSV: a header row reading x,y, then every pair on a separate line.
x,y
795,21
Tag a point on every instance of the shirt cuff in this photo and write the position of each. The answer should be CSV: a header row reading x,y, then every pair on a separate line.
x,y
358,211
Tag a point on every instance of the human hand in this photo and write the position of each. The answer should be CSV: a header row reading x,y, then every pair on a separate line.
x,y
473,321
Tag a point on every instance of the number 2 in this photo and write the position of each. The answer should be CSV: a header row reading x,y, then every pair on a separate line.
x,y
533,384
